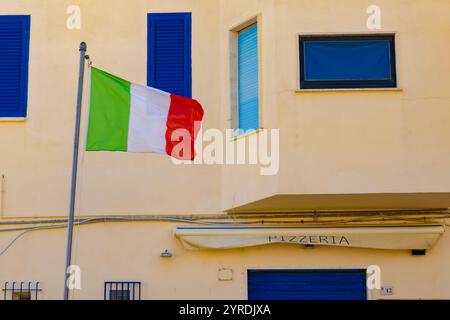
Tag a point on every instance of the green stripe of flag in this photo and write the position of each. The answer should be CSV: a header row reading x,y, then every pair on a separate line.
x,y
109,112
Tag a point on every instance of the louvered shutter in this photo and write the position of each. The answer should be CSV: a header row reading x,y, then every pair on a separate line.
x,y
14,46
248,84
169,52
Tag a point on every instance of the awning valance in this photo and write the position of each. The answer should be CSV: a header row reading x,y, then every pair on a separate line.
x,y
397,238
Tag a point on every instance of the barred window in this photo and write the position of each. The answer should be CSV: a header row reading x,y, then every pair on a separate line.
x,y
122,290
21,290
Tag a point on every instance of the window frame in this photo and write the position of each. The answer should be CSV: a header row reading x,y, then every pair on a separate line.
x,y
347,84
187,18
21,111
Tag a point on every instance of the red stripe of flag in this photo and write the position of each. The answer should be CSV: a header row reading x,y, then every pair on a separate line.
x,y
187,114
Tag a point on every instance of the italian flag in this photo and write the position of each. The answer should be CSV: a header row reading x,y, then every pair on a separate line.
x,y
129,117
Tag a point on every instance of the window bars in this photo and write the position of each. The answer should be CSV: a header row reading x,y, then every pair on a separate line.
x,y
21,290
122,290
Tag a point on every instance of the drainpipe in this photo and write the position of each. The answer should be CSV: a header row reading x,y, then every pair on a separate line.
x,y
2,195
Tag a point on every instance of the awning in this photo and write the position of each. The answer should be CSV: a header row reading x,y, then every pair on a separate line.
x,y
397,238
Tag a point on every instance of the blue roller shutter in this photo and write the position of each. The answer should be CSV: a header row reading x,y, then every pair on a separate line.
x,y
347,60
307,284
248,84
169,52
14,47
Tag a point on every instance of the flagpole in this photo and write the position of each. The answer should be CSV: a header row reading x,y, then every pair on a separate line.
x,y
73,188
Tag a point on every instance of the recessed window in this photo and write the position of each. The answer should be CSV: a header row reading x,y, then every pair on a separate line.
x,y
121,294
22,296
14,47
122,291
333,62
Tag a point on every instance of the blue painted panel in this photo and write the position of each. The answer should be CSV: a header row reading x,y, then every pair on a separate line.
x,y
248,87
14,49
169,65
347,60
307,284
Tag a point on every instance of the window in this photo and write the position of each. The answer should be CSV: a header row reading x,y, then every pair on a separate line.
x,y
121,294
347,62
22,295
21,290
14,46
169,53
122,291
248,83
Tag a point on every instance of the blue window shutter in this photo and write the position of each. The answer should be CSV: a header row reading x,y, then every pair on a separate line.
x,y
169,53
14,48
248,84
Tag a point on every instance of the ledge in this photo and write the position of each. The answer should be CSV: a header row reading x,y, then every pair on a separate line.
x,y
11,119
350,90
245,135
333,202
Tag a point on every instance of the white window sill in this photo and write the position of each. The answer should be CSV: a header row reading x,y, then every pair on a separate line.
x,y
350,90
18,119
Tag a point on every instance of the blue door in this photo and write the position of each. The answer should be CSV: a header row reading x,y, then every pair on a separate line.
x,y
307,284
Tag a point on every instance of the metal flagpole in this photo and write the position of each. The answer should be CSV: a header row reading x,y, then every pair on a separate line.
x,y
83,48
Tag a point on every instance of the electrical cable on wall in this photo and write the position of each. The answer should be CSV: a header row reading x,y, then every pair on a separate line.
x,y
83,221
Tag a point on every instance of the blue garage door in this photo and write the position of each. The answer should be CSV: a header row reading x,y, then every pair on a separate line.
x,y
307,284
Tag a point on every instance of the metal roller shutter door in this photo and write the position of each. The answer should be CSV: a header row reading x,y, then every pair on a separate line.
x,y
307,284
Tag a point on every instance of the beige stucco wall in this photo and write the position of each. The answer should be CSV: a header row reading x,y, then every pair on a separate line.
x,y
348,141
37,154
130,252
331,143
